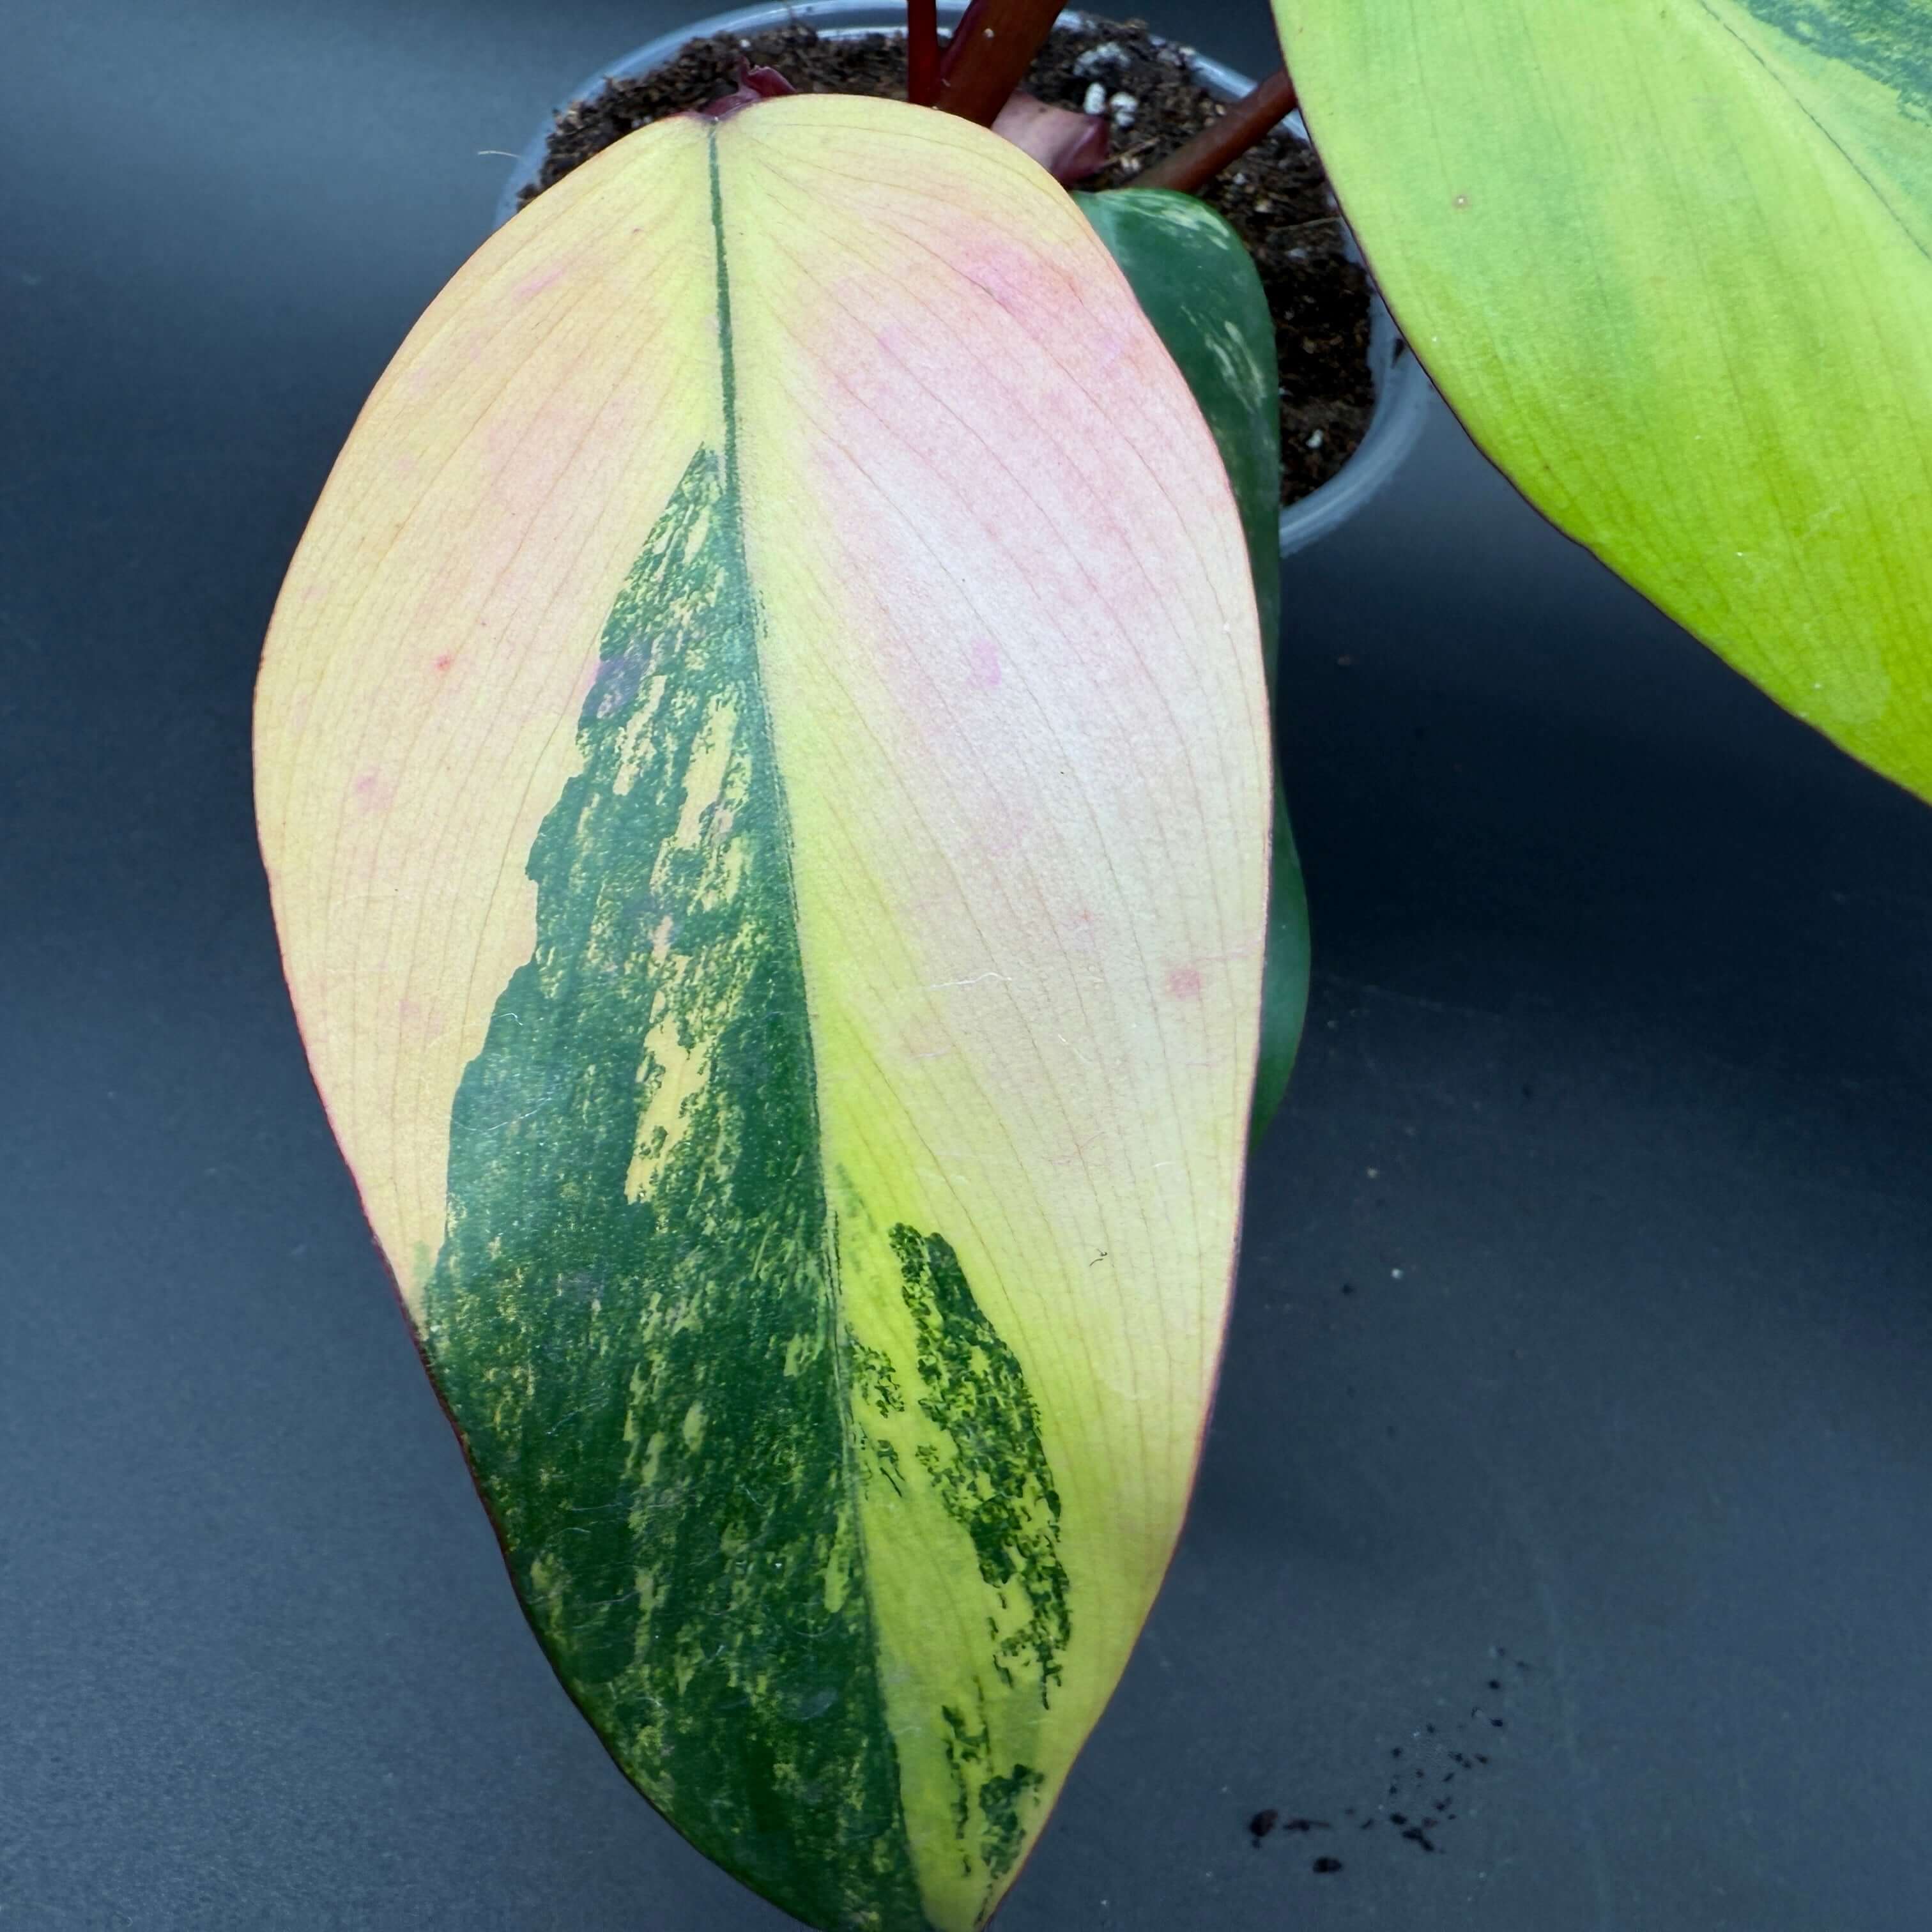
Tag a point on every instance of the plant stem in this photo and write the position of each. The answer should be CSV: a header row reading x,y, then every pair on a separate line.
x,y
990,49
1199,160
922,52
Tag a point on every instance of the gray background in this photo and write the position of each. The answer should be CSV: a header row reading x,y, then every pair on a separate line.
x,y
1613,1118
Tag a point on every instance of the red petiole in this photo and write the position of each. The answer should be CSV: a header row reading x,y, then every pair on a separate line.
x,y
923,51
990,49
1196,162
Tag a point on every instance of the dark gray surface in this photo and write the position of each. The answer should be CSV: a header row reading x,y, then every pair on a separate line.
x,y
1614,1116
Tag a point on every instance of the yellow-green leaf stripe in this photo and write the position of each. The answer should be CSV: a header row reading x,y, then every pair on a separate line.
x,y
1671,261
762,769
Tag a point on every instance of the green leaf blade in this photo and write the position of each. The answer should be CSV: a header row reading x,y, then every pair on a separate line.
x,y
1669,264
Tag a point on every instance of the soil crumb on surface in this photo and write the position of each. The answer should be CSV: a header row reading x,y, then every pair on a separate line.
x,y
1276,196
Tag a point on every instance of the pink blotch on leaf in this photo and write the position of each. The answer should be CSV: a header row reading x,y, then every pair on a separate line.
x,y
373,792
535,285
1183,983
983,671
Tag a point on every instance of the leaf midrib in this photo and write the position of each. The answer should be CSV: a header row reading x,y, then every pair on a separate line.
x,y
838,1333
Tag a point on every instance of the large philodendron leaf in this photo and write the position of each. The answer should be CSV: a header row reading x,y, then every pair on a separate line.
x,y
1199,287
763,770
1671,261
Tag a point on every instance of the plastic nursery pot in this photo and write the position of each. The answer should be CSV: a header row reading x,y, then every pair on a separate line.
x,y
1401,387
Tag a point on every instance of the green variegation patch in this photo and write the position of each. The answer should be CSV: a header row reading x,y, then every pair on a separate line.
x,y
1891,40
638,1301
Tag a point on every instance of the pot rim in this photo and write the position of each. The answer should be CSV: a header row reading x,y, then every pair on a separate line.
x,y
1402,388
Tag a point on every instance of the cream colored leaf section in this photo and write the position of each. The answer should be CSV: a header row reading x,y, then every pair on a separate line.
x,y
416,713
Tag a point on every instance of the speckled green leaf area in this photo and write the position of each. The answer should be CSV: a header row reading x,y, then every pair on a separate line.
x,y
1198,285
636,1303
985,1461
637,1320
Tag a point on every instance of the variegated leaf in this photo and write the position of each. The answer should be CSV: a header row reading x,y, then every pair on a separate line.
x,y
762,771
